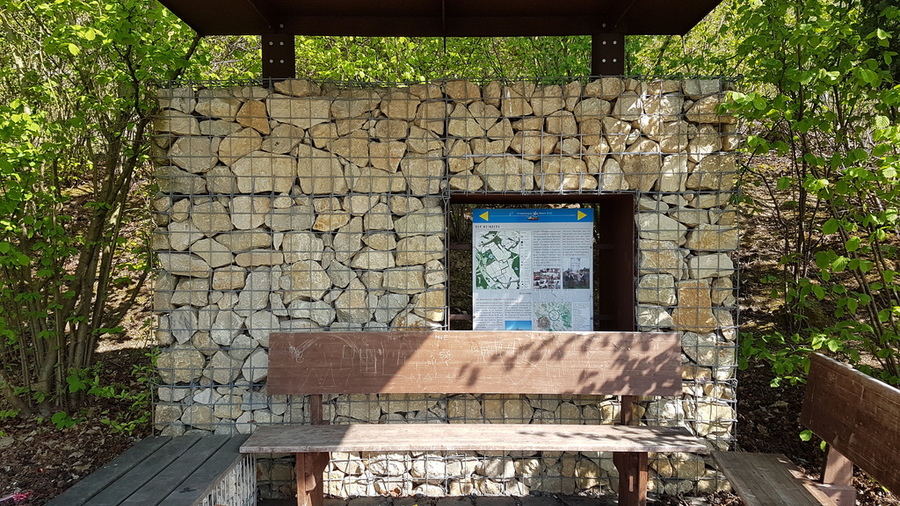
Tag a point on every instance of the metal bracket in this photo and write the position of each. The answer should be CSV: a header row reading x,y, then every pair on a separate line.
x,y
278,56
608,54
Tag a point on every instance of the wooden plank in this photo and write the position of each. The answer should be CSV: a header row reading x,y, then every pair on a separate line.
x,y
310,486
633,475
857,415
143,472
767,479
462,437
100,479
170,478
625,363
204,477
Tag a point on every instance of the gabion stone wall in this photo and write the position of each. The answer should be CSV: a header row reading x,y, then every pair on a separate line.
x,y
318,206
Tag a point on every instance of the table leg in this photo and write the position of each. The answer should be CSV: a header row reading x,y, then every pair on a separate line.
x,y
310,488
632,468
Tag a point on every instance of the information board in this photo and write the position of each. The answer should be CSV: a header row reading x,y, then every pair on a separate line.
x,y
531,269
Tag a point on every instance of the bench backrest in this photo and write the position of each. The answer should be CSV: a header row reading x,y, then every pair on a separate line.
x,y
857,415
611,363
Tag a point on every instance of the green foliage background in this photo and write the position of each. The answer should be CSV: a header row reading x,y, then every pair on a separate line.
x,y
818,87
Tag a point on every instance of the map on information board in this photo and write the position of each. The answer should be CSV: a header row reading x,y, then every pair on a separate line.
x,y
531,269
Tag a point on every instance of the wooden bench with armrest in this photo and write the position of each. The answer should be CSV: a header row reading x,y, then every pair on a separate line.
x,y
855,414
453,362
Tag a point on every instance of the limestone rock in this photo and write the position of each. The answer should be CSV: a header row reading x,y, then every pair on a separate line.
x,y
239,144
300,113
171,179
421,222
705,111
506,173
183,324
694,311
406,280
230,277
184,264
292,219
705,349
181,235
320,172
400,105
190,291
255,293
305,280
298,88
658,289
354,103
256,366
713,238
262,172
417,250
707,266
372,259
177,123
714,172
353,147
249,212
182,363
217,107
642,164
194,154
660,227
245,240
253,115
387,155
302,246
607,88
210,218
563,173
318,311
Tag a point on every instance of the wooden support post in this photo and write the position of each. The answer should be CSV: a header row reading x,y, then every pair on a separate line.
x,y
608,54
310,470
316,413
632,468
626,410
310,467
279,60
837,479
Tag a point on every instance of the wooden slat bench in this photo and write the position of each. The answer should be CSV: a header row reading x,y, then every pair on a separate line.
x,y
855,414
583,363
171,471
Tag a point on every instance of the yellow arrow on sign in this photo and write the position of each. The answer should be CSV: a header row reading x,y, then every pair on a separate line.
x,y
581,215
484,216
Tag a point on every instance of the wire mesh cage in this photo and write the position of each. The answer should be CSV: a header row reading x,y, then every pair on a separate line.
x,y
300,206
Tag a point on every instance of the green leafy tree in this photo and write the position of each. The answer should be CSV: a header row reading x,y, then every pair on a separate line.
x,y
826,104
75,113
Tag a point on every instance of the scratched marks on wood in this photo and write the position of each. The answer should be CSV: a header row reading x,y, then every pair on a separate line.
x,y
624,363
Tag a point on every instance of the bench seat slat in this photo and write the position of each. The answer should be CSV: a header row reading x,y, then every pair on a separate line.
x,y
769,479
199,480
463,437
102,478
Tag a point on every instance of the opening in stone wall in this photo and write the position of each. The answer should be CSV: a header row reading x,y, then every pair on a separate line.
x,y
612,262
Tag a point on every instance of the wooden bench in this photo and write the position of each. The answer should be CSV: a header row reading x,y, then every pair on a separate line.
x,y
855,414
589,363
171,471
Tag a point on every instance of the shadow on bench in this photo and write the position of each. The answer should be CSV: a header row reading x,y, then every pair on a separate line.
x,y
445,362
